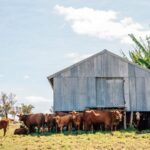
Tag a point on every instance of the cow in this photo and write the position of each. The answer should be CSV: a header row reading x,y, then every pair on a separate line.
x,y
62,121
3,125
50,121
116,118
90,118
33,120
21,131
144,121
106,118
78,120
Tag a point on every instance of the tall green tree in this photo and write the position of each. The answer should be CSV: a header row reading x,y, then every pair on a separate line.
x,y
141,53
27,109
6,103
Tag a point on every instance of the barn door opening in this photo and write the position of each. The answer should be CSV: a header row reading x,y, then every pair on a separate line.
x,y
109,92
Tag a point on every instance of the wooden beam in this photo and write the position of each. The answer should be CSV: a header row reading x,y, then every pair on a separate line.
x,y
131,118
125,120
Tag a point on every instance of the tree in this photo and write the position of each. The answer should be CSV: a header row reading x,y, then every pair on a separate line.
x,y
27,109
141,53
7,102
14,111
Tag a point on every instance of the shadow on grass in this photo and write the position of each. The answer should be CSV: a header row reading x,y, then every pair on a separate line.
x,y
80,132
67,133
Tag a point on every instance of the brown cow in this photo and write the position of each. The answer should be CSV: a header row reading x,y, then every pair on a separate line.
x,y
63,121
116,118
50,121
21,130
106,118
4,124
78,120
33,120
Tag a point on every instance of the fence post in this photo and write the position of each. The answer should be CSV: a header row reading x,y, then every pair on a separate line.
x,y
131,118
125,120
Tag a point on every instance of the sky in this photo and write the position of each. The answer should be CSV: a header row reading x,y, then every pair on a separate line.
x,y
41,37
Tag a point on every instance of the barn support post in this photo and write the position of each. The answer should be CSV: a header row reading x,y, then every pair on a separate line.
x,y
131,118
125,120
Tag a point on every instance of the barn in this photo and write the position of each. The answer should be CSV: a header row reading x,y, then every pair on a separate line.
x,y
104,80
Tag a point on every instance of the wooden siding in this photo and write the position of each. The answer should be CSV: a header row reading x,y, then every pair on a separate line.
x,y
76,88
139,93
100,66
73,93
109,92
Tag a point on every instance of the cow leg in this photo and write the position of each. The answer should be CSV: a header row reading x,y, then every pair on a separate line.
x,y
92,128
56,128
31,129
4,131
61,129
111,127
106,127
78,127
39,129
83,126
115,127
70,127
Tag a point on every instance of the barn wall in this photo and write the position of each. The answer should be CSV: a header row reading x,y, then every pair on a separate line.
x,y
104,65
109,92
75,88
139,93
74,93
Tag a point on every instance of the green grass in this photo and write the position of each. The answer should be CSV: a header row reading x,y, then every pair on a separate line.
x,y
118,140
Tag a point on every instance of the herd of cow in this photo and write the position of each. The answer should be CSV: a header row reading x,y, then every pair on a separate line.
x,y
87,120
59,121
109,120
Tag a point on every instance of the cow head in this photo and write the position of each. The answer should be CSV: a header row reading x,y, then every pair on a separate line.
x,y
77,120
74,114
46,116
57,120
22,117
118,115
138,115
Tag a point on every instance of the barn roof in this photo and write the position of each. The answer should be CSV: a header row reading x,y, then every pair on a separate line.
x,y
100,53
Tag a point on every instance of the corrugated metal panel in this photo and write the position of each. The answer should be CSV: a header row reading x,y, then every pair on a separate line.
x,y
126,94
57,94
140,94
100,92
75,88
131,70
123,68
132,94
100,66
74,93
110,92
147,93
139,72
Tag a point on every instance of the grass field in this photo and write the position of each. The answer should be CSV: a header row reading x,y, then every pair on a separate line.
x,y
118,140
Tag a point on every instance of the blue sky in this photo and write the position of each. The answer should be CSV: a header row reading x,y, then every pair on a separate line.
x,y
40,37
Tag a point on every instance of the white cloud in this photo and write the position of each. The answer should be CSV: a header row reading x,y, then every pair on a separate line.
x,y
75,57
26,77
36,99
101,24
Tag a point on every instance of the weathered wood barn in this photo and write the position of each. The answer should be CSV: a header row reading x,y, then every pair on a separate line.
x,y
104,80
